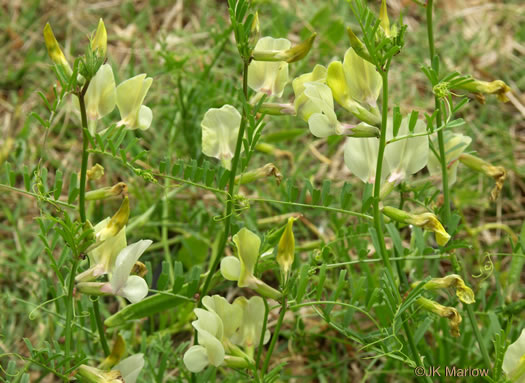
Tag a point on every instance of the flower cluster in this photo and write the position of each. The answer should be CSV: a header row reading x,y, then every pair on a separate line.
x,y
110,256
102,94
267,74
227,332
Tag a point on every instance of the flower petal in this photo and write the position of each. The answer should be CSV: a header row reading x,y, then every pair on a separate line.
x,y
101,94
362,80
360,156
135,289
130,367
231,315
231,268
320,125
408,156
196,358
248,245
145,117
269,77
514,355
130,95
220,128
125,261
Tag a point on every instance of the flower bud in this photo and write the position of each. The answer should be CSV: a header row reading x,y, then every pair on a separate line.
x,y
100,40
497,172
463,292
266,171
117,352
92,288
299,51
275,109
360,130
357,45
120,189
282,52
255,30
117,222
286,249
427,221
443,311
497,87
54,51
383,18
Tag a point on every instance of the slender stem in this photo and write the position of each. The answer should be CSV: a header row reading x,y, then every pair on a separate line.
x,y
69,306
318,207
378,223
274,336
441,140
444,175
82,210
263,331
85,155
477,334
100,326
164,234
231,186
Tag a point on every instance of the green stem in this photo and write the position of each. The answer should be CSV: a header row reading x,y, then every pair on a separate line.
x,y
441,140
82,210
231,186
164,234
274,337
100,326
378,223
85,155
477,334
444,175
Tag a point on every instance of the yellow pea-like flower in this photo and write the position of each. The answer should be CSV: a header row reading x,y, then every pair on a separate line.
x,y
101,94
355,85
269,77
498,173
463,292
443,311
130,96
427,221
220,128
